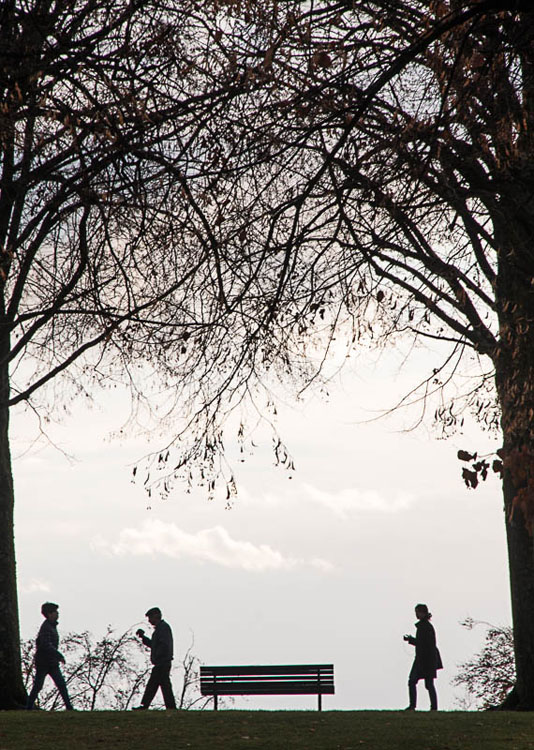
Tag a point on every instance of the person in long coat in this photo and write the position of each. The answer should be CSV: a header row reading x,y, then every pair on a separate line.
x,y
427,658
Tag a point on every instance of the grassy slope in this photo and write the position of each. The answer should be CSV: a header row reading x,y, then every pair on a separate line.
x,y
268,730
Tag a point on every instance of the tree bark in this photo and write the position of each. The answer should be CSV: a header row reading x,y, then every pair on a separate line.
x,y
517,494
12,691
514,367
521,566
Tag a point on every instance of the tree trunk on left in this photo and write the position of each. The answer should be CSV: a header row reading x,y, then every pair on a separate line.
x,y
12,691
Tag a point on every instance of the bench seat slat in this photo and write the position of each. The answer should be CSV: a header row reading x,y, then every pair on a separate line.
x,y
270,689
266,677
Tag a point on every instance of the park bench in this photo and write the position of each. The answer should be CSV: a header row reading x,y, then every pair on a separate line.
x,y
300,679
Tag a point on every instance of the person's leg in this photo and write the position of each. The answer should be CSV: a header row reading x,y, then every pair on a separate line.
x,y
413,679
412,692
40,675
151,688
166,686
429,684
57,675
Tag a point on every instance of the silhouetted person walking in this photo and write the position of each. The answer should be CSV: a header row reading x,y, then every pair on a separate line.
x,y
161,653
48,658
427,658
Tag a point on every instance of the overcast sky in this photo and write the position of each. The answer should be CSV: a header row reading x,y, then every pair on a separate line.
x,y
323,567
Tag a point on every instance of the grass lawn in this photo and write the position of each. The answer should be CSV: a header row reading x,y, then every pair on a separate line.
x,y
268,730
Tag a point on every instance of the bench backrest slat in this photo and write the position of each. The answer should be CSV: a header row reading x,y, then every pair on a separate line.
x,y
269,669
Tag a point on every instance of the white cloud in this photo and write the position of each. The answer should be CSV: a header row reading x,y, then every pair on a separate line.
x,y
342,503
347,502
33,585
213,545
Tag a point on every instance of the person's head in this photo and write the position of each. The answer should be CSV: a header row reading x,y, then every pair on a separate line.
x,y
50,611
421,612
154,615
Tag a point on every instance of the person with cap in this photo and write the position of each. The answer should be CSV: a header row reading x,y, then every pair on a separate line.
x,y
161,654
48,658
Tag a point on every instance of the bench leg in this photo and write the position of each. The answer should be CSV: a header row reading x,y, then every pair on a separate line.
x,y
215,702
319,702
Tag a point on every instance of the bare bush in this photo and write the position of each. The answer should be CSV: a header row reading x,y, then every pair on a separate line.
x,y
489,675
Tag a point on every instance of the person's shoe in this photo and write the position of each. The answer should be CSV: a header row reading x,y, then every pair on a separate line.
x,y
138,708
410,708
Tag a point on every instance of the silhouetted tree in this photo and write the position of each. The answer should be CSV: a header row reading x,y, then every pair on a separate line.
x,y
388,163
111,179
489,676
208,186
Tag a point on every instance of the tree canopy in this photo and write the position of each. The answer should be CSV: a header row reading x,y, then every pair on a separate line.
x,y
205,187
388,156
110,239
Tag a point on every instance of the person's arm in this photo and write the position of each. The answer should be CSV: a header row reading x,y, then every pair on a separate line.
x,y
409,639
146,641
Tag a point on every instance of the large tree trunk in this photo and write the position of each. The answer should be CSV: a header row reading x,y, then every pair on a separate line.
x,y
518,509
521,565
12,692
514,365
